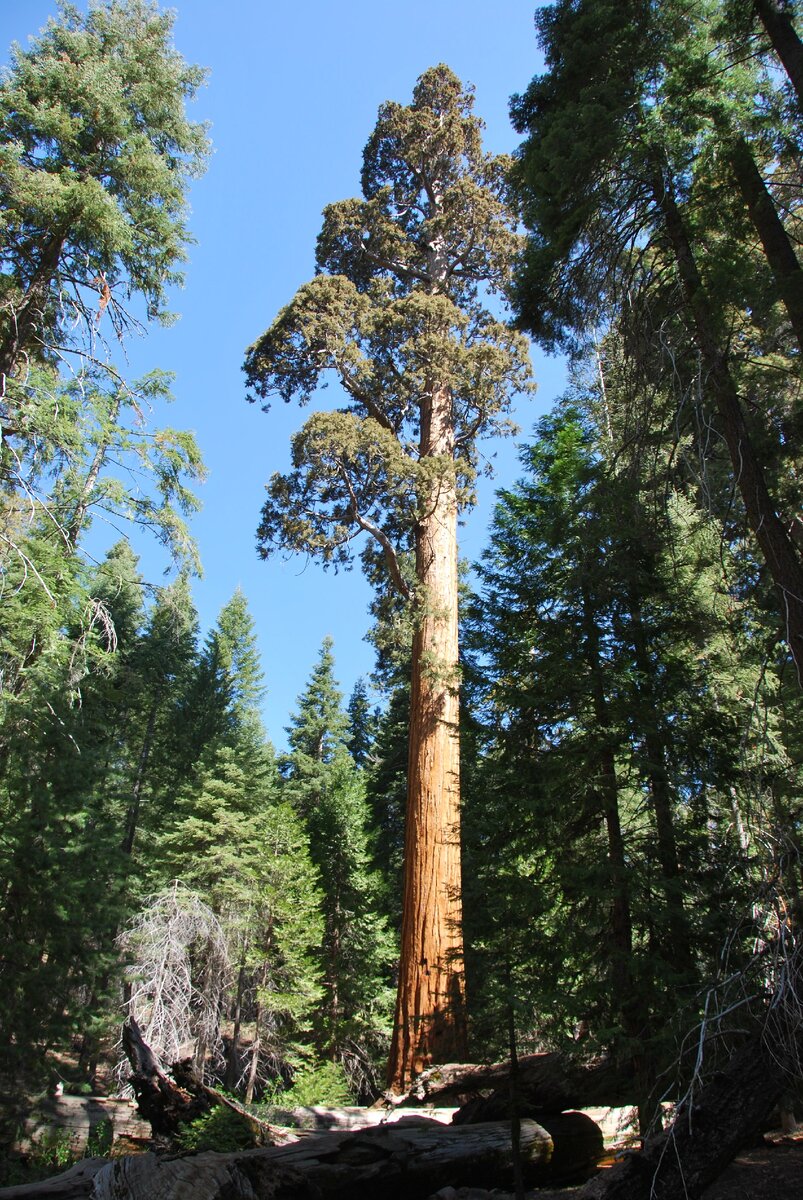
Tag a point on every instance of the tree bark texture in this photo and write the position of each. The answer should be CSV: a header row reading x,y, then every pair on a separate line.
x,y
772,534
407,1161
778,26
778,249
430,1007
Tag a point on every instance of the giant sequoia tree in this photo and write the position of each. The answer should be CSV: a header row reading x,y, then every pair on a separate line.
x,y
396,314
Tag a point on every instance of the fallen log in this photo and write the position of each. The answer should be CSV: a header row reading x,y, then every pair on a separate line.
x,y
73,1184
160,1100
407,1161
725,1115
550,1082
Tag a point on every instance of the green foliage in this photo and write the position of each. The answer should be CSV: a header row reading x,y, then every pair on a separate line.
x,y
221,1129
393,307
316,1083
326,788
96,157
101,1137
615,681
363,722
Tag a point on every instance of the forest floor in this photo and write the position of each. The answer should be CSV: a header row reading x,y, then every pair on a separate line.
x,y
771,1170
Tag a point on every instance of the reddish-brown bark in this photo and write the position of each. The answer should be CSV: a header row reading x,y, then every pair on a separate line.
x,y
430,1006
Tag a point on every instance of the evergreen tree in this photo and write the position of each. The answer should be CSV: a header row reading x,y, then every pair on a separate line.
x,y
396,312
230,837
162,664
615,725
325,786
362,724
64,877
621,182
96,156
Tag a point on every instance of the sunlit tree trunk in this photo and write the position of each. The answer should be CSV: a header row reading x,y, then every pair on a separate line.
x,y
430,1008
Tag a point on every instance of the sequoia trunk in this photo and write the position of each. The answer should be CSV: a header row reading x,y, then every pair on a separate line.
x,y
430,1005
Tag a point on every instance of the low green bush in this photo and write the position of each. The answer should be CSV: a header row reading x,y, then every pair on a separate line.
x,y
220,1129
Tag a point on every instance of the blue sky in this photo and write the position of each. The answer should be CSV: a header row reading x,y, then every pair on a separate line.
x,y
291,99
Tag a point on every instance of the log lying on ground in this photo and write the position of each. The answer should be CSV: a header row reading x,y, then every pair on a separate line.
x,y
323,1117
406,1161
74,1184
551,1082
725,1115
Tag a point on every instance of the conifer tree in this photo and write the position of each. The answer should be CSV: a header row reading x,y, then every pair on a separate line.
x,y
613,675
230,837
362,724
61,809
96,155
325,786
395,312
630,135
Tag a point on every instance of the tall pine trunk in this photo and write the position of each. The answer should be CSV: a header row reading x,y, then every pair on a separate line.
x,y
649,723
633,1011
778,26
430,1006
778,248
771,532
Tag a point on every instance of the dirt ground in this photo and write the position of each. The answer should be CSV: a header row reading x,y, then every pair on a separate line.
x,y
770,1171
773,1171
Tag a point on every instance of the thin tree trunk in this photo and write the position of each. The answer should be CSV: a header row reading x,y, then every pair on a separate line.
x,y
778,249
132,816
252,1070
515,1092
608,791
255,1048
632,1011
232,1062
649,721
430,1006
772,534
778,25
22,322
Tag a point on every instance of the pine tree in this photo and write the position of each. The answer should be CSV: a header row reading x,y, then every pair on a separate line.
x,y
64,877
615,720
225,831
362,724
96,156
654,91
326,788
